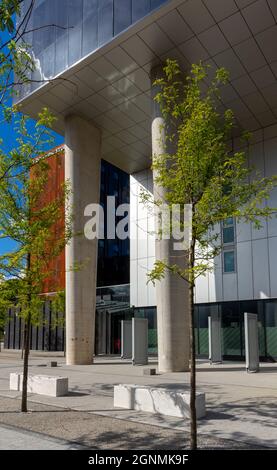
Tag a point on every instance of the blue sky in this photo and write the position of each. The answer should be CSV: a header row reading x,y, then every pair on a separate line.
x,y
8,136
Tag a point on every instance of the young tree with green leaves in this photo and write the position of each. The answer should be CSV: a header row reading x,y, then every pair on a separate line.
x,y
16,61
202,171
39,227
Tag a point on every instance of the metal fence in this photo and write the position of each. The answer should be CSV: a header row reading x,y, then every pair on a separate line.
x,y
44,337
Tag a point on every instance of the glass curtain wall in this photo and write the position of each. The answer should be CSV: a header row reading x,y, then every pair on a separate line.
x,y
151,314
64,31
113,255
232,321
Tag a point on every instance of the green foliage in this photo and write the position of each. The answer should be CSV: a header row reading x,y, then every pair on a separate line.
x,y
8,8
202,170
36,224
16,60
58,310
8,297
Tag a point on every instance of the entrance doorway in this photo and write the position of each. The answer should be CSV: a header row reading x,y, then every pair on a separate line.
x,y
108,329
112,306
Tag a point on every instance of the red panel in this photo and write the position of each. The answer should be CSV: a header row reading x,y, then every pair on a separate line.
x,y
56,178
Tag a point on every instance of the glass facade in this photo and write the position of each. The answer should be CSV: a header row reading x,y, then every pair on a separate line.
x,y
112,306
232,321
151,314
113,255
113,302
64,31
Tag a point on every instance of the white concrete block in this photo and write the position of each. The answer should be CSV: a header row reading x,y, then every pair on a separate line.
x,y
14,381
124,396
158,400
41,384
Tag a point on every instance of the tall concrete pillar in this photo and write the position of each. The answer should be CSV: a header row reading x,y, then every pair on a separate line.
x,y
82,169
171,292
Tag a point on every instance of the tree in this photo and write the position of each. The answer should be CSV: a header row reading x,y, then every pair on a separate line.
x,y
16,60
202,171
38,226
24,216
8,289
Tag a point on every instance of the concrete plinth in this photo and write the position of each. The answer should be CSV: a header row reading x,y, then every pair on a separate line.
x,y
158,400
172,292
82,170
41,384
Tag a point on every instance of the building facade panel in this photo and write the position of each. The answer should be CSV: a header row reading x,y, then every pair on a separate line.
x,y
254,268
245,270
142,243
63,32
112,89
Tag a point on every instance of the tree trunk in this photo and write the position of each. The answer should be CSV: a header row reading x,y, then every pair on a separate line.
x,y
193,419
27,330
23,334
26,364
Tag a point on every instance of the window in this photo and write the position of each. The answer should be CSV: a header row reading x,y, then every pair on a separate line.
x,y
228,231
228,242
229,261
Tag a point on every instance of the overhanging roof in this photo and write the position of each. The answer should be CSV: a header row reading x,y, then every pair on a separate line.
x,y
111,87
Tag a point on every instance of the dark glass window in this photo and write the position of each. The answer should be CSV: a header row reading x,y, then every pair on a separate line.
x,y
231,328
140,8
156,3
122,15
229,261
90,26
105,21
228,235
113,255
271,328
228,231
75,16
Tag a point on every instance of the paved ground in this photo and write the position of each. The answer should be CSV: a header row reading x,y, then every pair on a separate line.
x,y
241,407
48,427
21,439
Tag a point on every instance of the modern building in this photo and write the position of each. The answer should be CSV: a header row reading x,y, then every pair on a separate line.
x,y
96,67
113,272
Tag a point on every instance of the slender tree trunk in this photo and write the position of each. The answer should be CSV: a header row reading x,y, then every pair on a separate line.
x,y
23,334
26,364
27,330
193,419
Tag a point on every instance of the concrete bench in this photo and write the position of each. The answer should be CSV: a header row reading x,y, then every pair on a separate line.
x,y
163,401
41,384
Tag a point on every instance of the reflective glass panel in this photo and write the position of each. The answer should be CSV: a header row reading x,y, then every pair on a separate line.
x,y
228,235
229,261
271,328
140,9
76,28
122,15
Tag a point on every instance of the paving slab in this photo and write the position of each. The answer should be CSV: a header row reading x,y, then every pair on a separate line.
x,y
48,427
240,406
19,439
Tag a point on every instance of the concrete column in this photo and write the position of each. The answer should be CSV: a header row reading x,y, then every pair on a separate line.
x,y
171,292
82,169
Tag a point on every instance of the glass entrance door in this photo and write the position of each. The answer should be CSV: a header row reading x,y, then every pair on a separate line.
x,y
108,330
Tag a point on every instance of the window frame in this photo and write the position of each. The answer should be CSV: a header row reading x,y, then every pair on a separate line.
x,y
228,247
229,250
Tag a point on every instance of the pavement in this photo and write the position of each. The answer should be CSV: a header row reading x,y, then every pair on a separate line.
x,y
241,407
19,439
